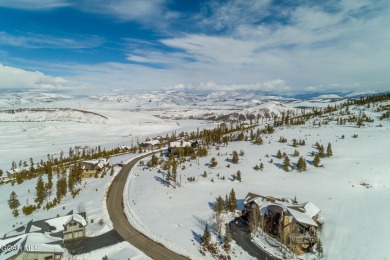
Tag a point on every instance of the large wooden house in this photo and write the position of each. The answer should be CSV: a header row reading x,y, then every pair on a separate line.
x,y
291,223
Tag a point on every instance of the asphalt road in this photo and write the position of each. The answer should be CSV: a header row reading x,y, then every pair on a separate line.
x,y
241,234
122,225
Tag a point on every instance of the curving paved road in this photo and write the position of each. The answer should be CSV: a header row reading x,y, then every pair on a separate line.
x,y
121,224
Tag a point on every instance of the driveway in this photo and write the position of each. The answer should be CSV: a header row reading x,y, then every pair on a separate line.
x,y
241,234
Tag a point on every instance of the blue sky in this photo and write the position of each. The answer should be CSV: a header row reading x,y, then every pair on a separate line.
x,y
119,46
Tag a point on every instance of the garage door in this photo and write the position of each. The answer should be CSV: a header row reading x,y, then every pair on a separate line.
x,y
68,236
78,234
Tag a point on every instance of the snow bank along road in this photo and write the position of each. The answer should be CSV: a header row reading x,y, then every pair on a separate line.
x,y
122,225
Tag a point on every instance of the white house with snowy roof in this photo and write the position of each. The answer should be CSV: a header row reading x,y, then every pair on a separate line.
x,y
92,167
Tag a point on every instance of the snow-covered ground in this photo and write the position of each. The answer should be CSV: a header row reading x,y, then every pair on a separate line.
x,y
355,216
91,199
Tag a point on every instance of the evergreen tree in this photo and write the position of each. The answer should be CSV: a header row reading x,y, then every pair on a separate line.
x,y
286,163
226,204
49,172
168,177
319,248
61,188
13,201
228,239
232,201
206,238
174,173
301,165
219,204
254,217
40,191
1,172
261,166
238,175
296,153
317,161
213,162
235,157
279,155
321,151
329,151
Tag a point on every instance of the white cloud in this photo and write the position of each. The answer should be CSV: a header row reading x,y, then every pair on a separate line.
x,y
151,13
34,5
44,41
15,78
275,86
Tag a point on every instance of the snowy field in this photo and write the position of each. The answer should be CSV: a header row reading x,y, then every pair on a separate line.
x,y
91,199
354,215
24,140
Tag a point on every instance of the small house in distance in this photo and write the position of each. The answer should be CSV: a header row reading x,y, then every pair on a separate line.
x,y
293,224
176,146
92,167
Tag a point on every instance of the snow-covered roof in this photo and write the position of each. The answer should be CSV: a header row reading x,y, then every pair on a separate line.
x,y
181,143
152,142
303,213
97,163
302,217
36,242
311,209
60,222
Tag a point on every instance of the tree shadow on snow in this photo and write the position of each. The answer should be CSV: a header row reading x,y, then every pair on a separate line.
x,y
201,223
279,165
212,205
196,236
160,180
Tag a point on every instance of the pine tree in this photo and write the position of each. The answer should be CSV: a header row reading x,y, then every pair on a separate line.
x,y
206,238
329,151
286,163
226,204
40,191
238,175
219,203
254,218
174,173
13,201
296,153
49,172
279,155
235,157
317,161
213,162
61,188
261,166
319,248
228,239
321,151
232,201
301,165
1,172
